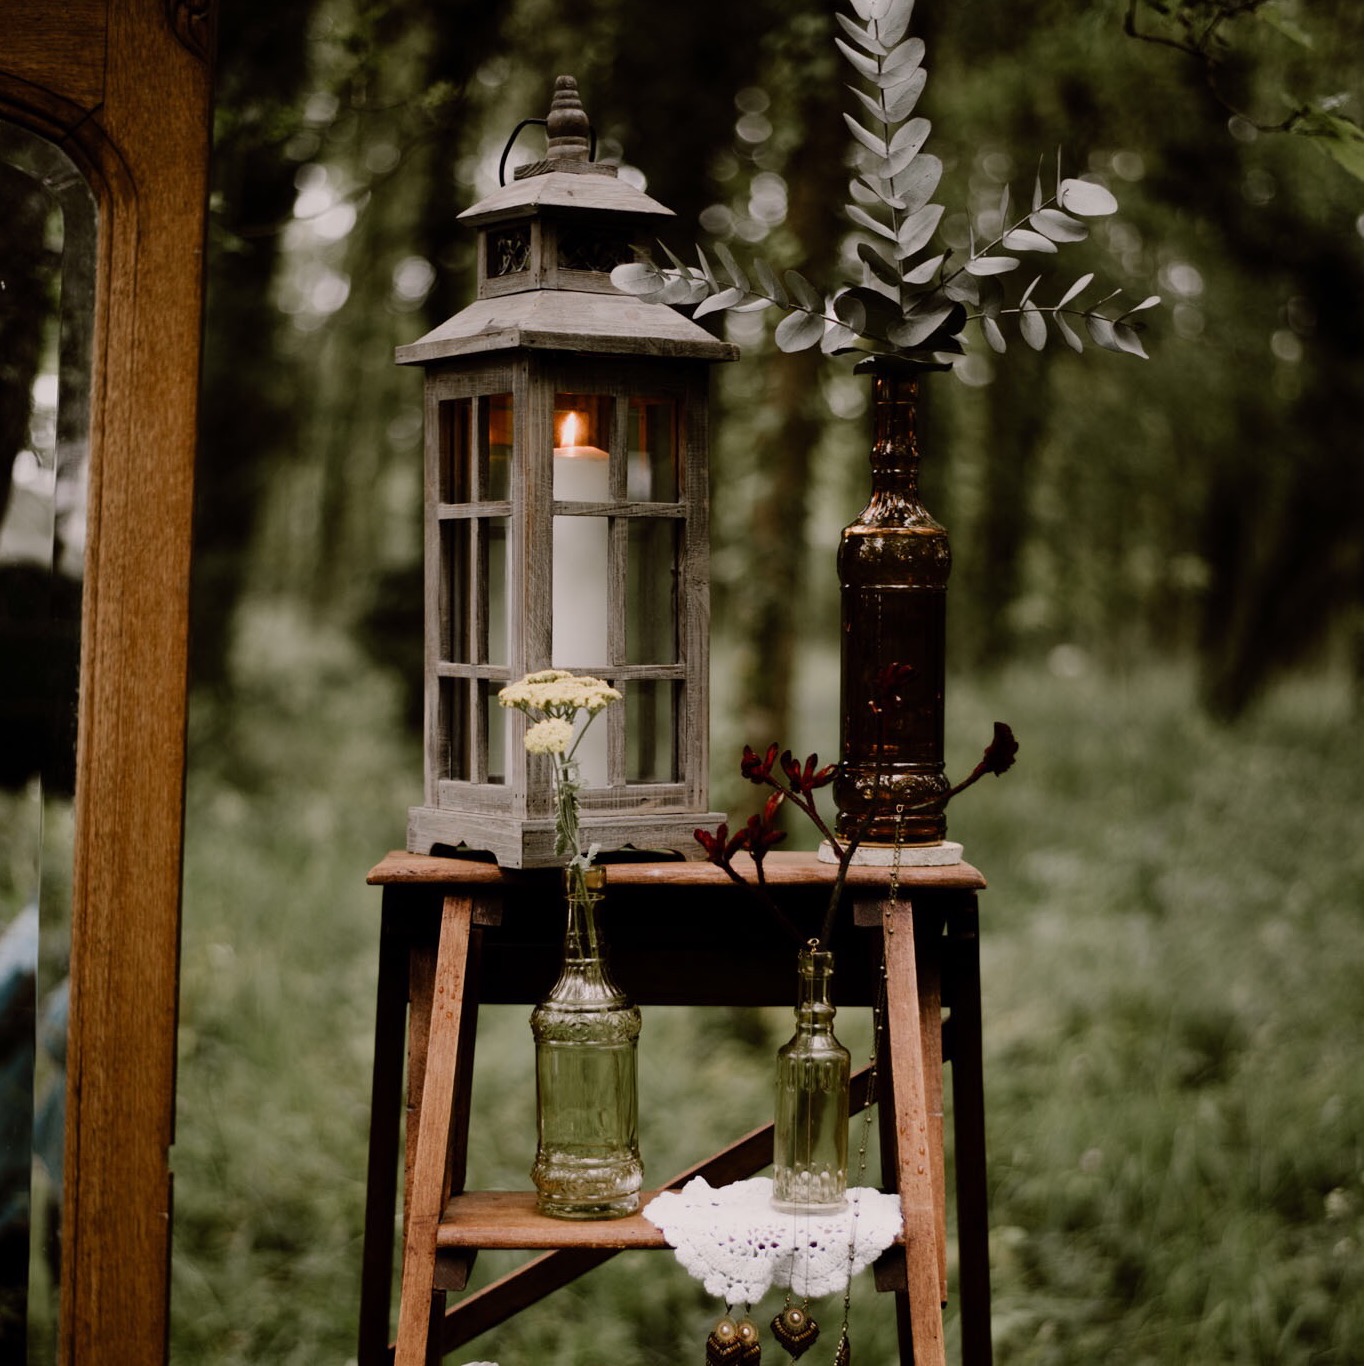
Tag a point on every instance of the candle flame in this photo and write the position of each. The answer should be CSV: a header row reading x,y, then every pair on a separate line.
x,y
570,429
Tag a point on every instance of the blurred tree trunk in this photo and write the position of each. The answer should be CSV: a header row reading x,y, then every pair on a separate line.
x,y
249,405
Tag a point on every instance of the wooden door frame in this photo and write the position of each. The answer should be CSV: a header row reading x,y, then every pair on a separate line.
x,y
124,88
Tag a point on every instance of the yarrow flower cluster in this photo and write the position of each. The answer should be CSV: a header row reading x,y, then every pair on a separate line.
x,y
560,694
552,701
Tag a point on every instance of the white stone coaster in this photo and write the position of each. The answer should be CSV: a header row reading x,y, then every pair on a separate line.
x,y
733,1240
884,855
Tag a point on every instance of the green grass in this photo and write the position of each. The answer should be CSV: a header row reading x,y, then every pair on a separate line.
x,y
1173,1023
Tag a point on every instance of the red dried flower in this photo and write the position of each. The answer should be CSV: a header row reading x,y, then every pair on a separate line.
x,y
1001,753
757,769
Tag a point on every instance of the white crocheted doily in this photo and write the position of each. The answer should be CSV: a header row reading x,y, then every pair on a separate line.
x,y
737,1244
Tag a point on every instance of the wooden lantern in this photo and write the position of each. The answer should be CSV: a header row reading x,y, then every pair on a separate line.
x,y
565,520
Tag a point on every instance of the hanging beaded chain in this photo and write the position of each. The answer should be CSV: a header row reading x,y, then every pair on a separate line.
x,y
842,1350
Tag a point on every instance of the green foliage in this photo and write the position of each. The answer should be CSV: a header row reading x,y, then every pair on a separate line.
x,y
909,305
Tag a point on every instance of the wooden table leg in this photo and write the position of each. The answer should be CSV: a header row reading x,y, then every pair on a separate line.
x,y
386,1089
964,992
915,1182
434,1128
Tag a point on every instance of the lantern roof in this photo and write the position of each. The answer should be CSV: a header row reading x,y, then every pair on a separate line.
x,y
548,242
567,320
563,190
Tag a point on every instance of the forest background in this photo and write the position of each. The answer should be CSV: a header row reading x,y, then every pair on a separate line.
x,y
1157,581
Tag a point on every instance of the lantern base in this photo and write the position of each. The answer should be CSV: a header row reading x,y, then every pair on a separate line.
x,y
939,855
530,843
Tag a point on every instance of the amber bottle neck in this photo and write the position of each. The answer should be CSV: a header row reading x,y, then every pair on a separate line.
x,y
896,454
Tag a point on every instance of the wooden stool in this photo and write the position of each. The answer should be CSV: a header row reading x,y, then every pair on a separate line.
x,y
455,933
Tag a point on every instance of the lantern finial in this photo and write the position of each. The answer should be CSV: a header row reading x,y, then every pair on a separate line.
x,y
567,126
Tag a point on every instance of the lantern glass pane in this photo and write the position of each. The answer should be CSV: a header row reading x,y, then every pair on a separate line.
x,y
652,751
494,532
453,729
454,592
497,457
652,451
453,451
652,576
496,731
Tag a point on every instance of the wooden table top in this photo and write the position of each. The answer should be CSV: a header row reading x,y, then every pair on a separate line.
x,y
781,869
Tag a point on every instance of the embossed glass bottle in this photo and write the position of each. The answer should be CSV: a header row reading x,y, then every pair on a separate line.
x,y
894,570
588,1163
812,1108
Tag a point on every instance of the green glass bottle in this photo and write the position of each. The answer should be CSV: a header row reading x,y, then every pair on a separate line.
x,y
812,1103
588,1161
894,571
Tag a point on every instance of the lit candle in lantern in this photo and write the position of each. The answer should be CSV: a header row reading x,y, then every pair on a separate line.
x,y
579,571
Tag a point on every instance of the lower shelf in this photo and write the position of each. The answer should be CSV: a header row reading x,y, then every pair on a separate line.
x,y
509,1220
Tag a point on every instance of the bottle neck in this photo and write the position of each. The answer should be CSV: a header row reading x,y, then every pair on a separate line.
x,y
896,454
814,1012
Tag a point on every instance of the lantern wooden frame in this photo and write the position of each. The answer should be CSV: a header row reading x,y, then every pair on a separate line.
x,y
549,322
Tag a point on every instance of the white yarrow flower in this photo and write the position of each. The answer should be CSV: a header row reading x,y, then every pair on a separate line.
x,y
551,736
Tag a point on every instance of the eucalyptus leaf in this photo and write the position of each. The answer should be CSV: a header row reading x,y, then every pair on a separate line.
x,y
1022,239
900,98
638,277
1029,290
991,296
882,191
675,262
897,162
991,265
769,283
1102,331
850,310
912,134
861,35
752,303
728,298
1075,289
866,220
875,144
963,287
878,264
863,192
678,291
993,334
1069,335
880,310
905,56
1038,197
892,24
1086,199
1127,339
917,229
864,9
838,338
1151,302
919,181
1057,226
925,272
914,330
798,331
707,271
732,267
862,63
804,292
1005,210
875,107
698,290
1033,329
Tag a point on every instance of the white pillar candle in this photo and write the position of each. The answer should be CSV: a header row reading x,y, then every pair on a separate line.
x,y
579,573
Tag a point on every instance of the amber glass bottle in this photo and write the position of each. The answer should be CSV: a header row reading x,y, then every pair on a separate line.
x,y
894,569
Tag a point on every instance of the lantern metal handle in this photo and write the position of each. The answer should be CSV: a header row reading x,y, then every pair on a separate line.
x,y
508,147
